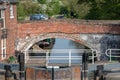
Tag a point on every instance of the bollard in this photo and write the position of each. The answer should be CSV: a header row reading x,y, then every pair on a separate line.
x,y
21,61
99,72
15,76
52,73
8,72
84,66
94,72
96,75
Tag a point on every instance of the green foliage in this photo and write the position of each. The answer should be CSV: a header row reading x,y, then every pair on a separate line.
x,y
26,8
104,9
63,10
53,8
78,10
82,9
20,12
42,1
12,59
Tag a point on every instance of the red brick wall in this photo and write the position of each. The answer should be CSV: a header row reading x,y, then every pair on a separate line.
x,y
11,25
33,74
35,28
71,73
30,73
76,73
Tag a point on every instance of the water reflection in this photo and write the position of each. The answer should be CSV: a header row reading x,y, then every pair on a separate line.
x,y
66,44
61,50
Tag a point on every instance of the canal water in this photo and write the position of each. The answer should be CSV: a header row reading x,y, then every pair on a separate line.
x,y
68,44
63,47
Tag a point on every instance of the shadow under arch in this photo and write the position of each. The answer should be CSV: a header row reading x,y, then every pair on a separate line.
x,y
73,37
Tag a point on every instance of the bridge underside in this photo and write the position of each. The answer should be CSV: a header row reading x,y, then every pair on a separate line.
x,y
99,42
30,41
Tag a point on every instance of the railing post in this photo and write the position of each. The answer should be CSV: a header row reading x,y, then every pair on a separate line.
x,y
85,66
47,58
110,56
99,73
69,57
93,57
21,60
26,58
8,72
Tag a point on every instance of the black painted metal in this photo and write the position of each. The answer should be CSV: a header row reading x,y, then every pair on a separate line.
x,y
15,76
8,72
21,60
52,73
85,66
100,69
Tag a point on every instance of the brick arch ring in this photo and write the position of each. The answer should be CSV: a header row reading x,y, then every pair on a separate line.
x,y
29,42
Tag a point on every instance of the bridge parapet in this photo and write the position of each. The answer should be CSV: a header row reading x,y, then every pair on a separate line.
x,y
79,21
35,28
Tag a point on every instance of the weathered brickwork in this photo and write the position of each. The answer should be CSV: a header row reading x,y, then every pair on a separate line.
x,y
71,73
93,34
37,27
17,32
10,27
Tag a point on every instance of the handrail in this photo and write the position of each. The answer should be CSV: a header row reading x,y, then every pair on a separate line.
x,y
63,54
108,53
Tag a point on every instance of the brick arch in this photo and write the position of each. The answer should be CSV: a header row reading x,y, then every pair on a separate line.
x,y
29,42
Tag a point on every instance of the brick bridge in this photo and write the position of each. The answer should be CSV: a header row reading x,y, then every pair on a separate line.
x,y
94,34
15,35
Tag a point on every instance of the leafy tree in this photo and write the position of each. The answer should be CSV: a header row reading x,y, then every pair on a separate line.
x,y
20,12
83,9
75,9
110,9
104,9
53,8
26,8
42,1
63,10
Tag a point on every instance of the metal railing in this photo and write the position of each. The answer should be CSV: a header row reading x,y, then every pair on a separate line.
x,y
112,53
60,56
68,56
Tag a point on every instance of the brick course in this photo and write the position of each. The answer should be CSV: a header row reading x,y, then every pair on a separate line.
x,y
11,26
71,73
69,26
38,27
